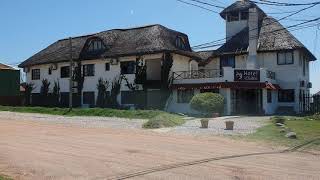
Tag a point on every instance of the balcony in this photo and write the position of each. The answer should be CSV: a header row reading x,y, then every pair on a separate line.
x,y
199,74
227,74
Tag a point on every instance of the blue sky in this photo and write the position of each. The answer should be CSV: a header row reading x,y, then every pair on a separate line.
x,y
29,26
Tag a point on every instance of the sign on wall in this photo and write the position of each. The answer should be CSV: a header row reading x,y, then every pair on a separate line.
x,y
246,75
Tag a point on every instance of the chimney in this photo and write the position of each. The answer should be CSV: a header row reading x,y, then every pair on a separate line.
x,y
253,38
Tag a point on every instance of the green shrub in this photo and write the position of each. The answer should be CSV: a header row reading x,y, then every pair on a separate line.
x,y
279,119
207,103
163,120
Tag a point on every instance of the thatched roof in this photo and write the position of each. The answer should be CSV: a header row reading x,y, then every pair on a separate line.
x,y
119,42
6,67
242,5
238,44
272,37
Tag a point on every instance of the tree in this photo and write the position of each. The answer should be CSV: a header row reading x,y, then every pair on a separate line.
x,y
28,90
44,91
207,103
165,79
102,87
56,92
115,90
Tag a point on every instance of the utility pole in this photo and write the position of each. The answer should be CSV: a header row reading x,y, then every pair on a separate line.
x,y
71,76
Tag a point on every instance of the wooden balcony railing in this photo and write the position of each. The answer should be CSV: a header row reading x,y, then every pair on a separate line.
x,y
198,74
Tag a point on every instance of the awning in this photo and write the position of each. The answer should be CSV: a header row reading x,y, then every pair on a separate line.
x,y
231,85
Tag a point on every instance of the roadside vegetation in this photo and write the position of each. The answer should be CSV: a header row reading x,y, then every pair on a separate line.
x,y
157,119
3,177
306,128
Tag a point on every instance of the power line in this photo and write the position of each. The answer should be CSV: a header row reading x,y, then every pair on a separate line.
x,y
198,6
285,17
294,27
208,4
274,3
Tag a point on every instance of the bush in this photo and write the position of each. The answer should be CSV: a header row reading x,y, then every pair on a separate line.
x,y
207,103
163,120
279,119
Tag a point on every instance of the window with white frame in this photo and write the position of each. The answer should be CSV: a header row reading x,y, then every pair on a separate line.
x,y
128,67
35,74
88,70
286,95
285,58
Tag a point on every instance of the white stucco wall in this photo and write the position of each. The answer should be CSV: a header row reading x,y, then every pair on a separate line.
x,y
234,27
287,76
90,83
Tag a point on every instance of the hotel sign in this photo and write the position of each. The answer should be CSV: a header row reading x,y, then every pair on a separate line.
x,y
246,75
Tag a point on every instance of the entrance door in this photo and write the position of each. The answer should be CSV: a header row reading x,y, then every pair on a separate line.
x,y
248,101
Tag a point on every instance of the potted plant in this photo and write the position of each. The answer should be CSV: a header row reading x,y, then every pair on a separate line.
x,y
204,123
229,125
207,104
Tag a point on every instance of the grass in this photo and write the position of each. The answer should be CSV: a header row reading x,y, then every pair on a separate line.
x,y
165,119
307,128
2,177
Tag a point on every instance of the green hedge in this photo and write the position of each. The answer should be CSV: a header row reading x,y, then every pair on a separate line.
x,y
208,103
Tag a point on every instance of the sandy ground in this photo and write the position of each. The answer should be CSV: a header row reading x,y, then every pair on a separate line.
x,y
34,149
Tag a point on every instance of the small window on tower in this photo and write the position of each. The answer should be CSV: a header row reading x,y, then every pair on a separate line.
x,y
244,15
233,16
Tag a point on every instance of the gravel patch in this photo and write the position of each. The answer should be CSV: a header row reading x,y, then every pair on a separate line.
x,y
242,126
83,121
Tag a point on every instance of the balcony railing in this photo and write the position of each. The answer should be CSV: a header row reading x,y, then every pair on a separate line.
x,y
198,74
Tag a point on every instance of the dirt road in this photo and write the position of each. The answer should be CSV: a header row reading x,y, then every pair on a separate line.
x,y
33,149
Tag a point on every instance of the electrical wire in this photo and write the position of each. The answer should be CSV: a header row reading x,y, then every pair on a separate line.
x,y
294,27
208,4
274,3
198,6
285,17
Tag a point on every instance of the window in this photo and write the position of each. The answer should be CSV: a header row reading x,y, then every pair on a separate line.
x,y
96,45
227,61
304,65
269,96
49,71
88,70
233,16
88,98
180,43
185,96
128,97
244,15
128,67
210,90
107,66
65,72
285,58
286,95
35,74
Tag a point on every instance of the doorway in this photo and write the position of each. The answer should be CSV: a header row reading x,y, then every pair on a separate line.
x,y
247,101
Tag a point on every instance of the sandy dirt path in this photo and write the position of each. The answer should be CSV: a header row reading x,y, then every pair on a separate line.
x,y
44,150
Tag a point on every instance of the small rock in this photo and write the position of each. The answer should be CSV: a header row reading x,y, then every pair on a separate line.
x,y
282,130
280,124
291,135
